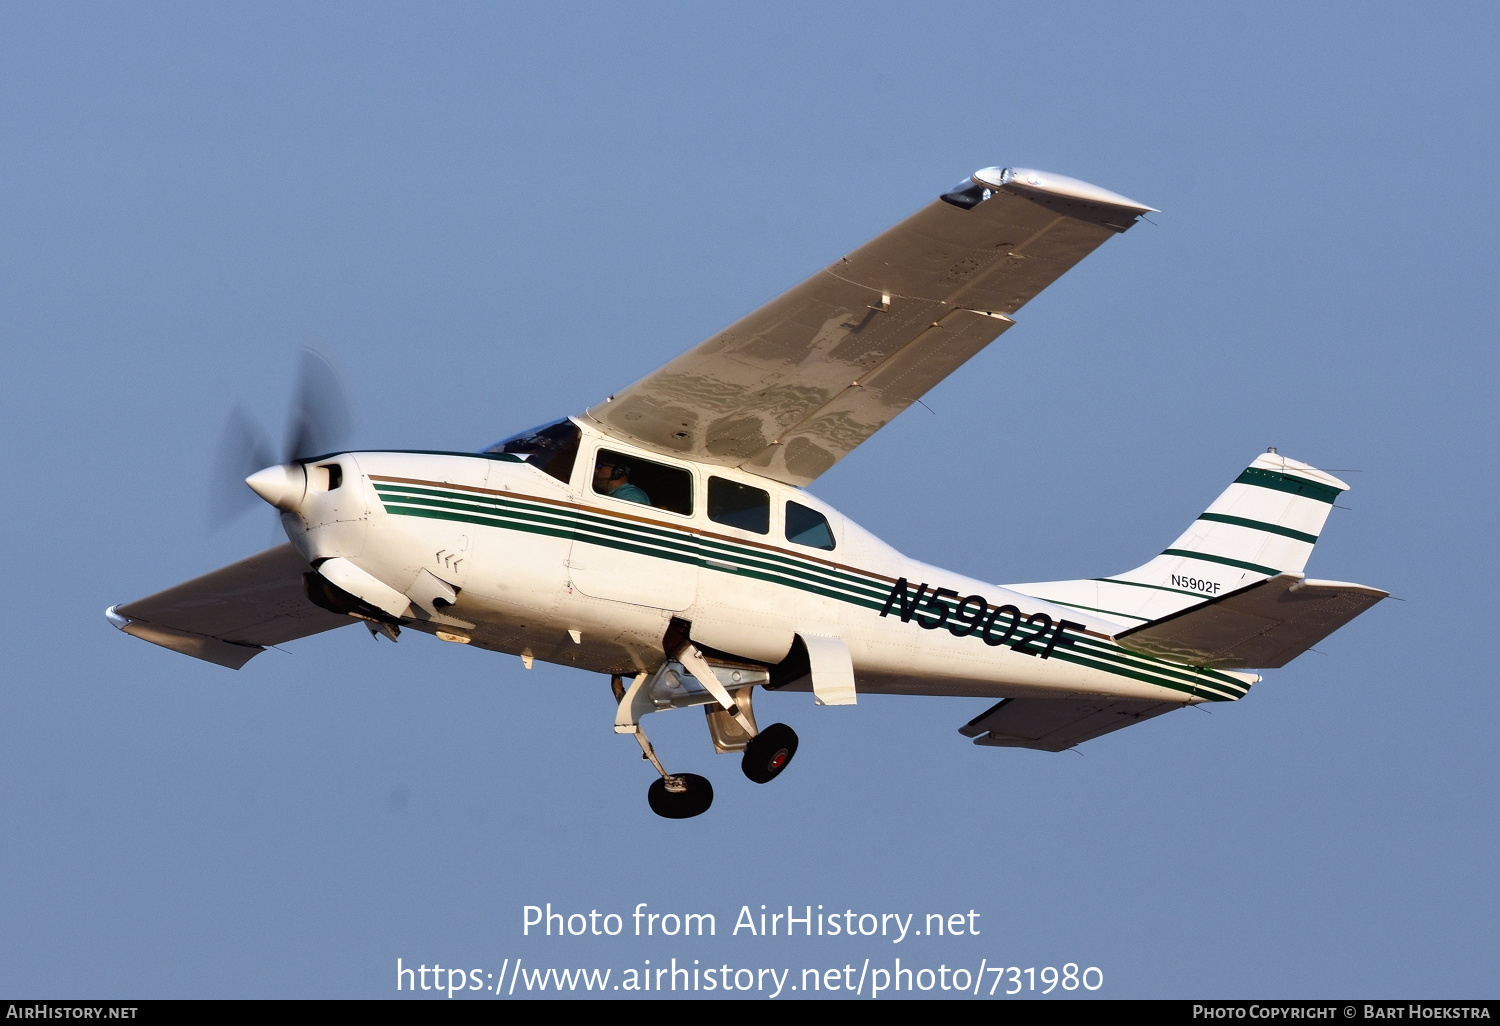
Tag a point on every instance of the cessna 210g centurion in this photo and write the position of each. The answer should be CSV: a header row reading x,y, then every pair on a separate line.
x,y
663,537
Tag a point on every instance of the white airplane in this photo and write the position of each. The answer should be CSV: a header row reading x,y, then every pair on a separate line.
x,y
663,537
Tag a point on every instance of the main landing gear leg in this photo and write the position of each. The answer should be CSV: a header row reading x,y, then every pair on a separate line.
x,y
672,796
693,660
768,751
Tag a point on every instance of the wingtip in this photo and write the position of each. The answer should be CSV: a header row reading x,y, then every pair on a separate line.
x,y
120,621
1032,180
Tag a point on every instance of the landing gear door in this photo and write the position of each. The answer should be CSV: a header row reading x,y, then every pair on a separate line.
x,y
832,669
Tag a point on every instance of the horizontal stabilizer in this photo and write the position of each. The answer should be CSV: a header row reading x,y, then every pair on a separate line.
x,y
233,613
1057,724
1267,624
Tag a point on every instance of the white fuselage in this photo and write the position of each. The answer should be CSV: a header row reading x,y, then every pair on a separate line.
x,y
557,571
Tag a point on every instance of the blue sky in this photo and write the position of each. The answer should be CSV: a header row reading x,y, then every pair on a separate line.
x,y
489,216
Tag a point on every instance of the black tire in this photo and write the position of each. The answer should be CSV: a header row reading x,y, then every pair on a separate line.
x,y
681,804
769,752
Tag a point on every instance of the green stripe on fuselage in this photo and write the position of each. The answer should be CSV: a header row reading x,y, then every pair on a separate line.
x,y
684,546
1153,587
1095,609
627,535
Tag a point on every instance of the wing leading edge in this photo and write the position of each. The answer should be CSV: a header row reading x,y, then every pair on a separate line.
x,y
792,388
232,614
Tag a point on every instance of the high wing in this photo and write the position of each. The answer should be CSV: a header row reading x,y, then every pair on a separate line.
x,y
1057,724
792,388
232,614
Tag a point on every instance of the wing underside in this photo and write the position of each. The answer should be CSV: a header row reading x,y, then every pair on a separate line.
x,y
233,613
1057,724
793,387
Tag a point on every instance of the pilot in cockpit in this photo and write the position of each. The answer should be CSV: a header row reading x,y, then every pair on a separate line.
x,y
612,478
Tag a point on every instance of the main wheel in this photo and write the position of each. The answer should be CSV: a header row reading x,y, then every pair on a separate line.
x,y
768,753
695,798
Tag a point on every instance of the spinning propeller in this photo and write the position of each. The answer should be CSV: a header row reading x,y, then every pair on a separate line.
x,y
318,423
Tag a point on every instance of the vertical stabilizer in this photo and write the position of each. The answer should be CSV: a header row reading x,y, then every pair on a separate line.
x,y
1263,525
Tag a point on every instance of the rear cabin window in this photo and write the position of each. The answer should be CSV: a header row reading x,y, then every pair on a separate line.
x,y
737,505
551,448
807,527
632,479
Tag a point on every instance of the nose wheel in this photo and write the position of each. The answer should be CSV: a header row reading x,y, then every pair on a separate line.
x,y
768,753
680,796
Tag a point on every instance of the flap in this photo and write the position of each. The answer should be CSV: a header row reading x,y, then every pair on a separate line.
x,y
229,615
1057,724
1267,624
832,670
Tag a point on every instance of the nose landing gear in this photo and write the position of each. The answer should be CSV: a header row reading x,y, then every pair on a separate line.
x,y
672,795
680,797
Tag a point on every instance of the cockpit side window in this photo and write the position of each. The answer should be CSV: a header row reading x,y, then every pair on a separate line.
x,y
632,479
808,527
551,448
738,505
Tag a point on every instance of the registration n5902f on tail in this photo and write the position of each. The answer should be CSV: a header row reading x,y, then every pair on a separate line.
x,y
664,537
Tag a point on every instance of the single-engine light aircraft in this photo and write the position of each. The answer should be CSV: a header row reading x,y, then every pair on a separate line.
x,y
663,537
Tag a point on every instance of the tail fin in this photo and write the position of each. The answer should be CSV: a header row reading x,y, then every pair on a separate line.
x,y
1263,525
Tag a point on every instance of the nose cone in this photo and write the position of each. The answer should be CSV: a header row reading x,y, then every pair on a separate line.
x,y
282,486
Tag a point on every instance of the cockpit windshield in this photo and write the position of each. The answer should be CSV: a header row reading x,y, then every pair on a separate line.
x,y
551,448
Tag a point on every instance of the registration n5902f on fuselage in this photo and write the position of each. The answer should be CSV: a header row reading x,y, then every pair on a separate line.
x,y
665,537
